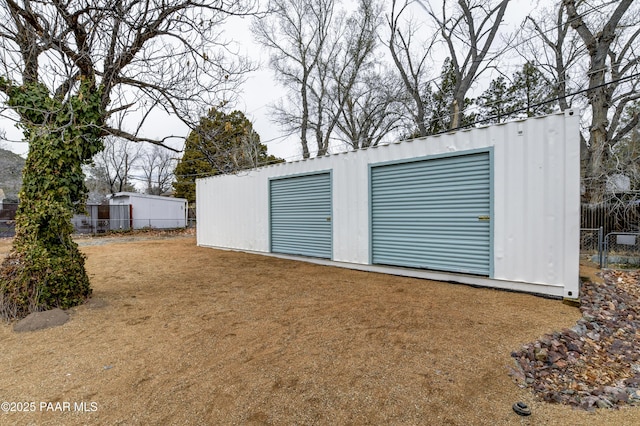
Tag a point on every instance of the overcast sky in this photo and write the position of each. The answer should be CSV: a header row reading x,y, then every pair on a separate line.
x,y
259,91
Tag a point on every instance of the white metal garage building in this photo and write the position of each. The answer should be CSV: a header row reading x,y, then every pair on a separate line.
x,y
496,206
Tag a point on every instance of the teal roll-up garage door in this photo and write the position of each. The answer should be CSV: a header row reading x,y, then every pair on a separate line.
x,y
300,209
433,214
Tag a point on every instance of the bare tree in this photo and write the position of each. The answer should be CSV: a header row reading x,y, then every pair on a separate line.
x,y
111,168
411,65
625,158
343,66
551,45
74,72
142,55
158,165
612,40
318,53
469,31
372,111
295,33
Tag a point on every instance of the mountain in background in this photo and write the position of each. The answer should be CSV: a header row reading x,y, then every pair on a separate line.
x,y
11,165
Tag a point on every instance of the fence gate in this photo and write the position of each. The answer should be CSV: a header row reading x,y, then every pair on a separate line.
x,y
622,250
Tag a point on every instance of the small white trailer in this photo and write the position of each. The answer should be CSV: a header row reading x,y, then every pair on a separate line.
x,y
152,211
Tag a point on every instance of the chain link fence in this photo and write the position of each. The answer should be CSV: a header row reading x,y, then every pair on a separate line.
x,y
609,231
191,215
7,228
591,244
7,219
615,250
622,250
100,218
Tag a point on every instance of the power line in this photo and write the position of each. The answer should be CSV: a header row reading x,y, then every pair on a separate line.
x,y
514,98
546,102
537,34
514,46
205,174
443,116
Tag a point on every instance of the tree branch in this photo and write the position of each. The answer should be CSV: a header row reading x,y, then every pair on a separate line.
x,y
125,135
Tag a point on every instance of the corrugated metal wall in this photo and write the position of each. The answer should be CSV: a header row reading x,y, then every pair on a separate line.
x,y
536,191
300,209
433,214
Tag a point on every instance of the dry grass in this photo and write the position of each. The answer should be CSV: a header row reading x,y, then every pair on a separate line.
x,y
191,335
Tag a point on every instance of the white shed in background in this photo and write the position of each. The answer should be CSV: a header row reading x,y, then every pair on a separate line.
x,y
495,206
152,211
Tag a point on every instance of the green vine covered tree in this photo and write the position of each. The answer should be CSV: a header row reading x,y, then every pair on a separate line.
x,y
45,268
74,73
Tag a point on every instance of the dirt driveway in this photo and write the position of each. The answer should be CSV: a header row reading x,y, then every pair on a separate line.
x,y
178,334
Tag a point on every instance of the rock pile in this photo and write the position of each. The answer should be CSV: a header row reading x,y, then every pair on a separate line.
x,y
596,363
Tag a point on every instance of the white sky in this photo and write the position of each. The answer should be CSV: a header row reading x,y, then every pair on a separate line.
x,y
259,91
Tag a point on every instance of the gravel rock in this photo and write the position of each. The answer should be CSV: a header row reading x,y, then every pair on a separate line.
x,y
596,363
541,354
41,320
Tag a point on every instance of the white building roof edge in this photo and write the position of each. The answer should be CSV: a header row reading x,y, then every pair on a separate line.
x,y
139,195
569,111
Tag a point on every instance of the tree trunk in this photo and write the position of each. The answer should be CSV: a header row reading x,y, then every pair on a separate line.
x,y
45,269
596,167
455,114
600,94
304,125
420,114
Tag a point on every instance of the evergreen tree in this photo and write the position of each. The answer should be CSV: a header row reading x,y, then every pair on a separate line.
x,y
527,96
530,92
496,103
222,143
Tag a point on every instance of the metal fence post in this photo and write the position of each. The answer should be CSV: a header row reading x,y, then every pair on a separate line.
x,y
605,255
600,249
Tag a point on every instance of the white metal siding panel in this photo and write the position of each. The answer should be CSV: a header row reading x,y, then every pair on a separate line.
x,y
141,212
300,210
233,212
350,209
536,204
433,214
569,160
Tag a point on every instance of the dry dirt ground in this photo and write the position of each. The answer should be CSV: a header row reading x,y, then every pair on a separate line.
x,y
178,334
